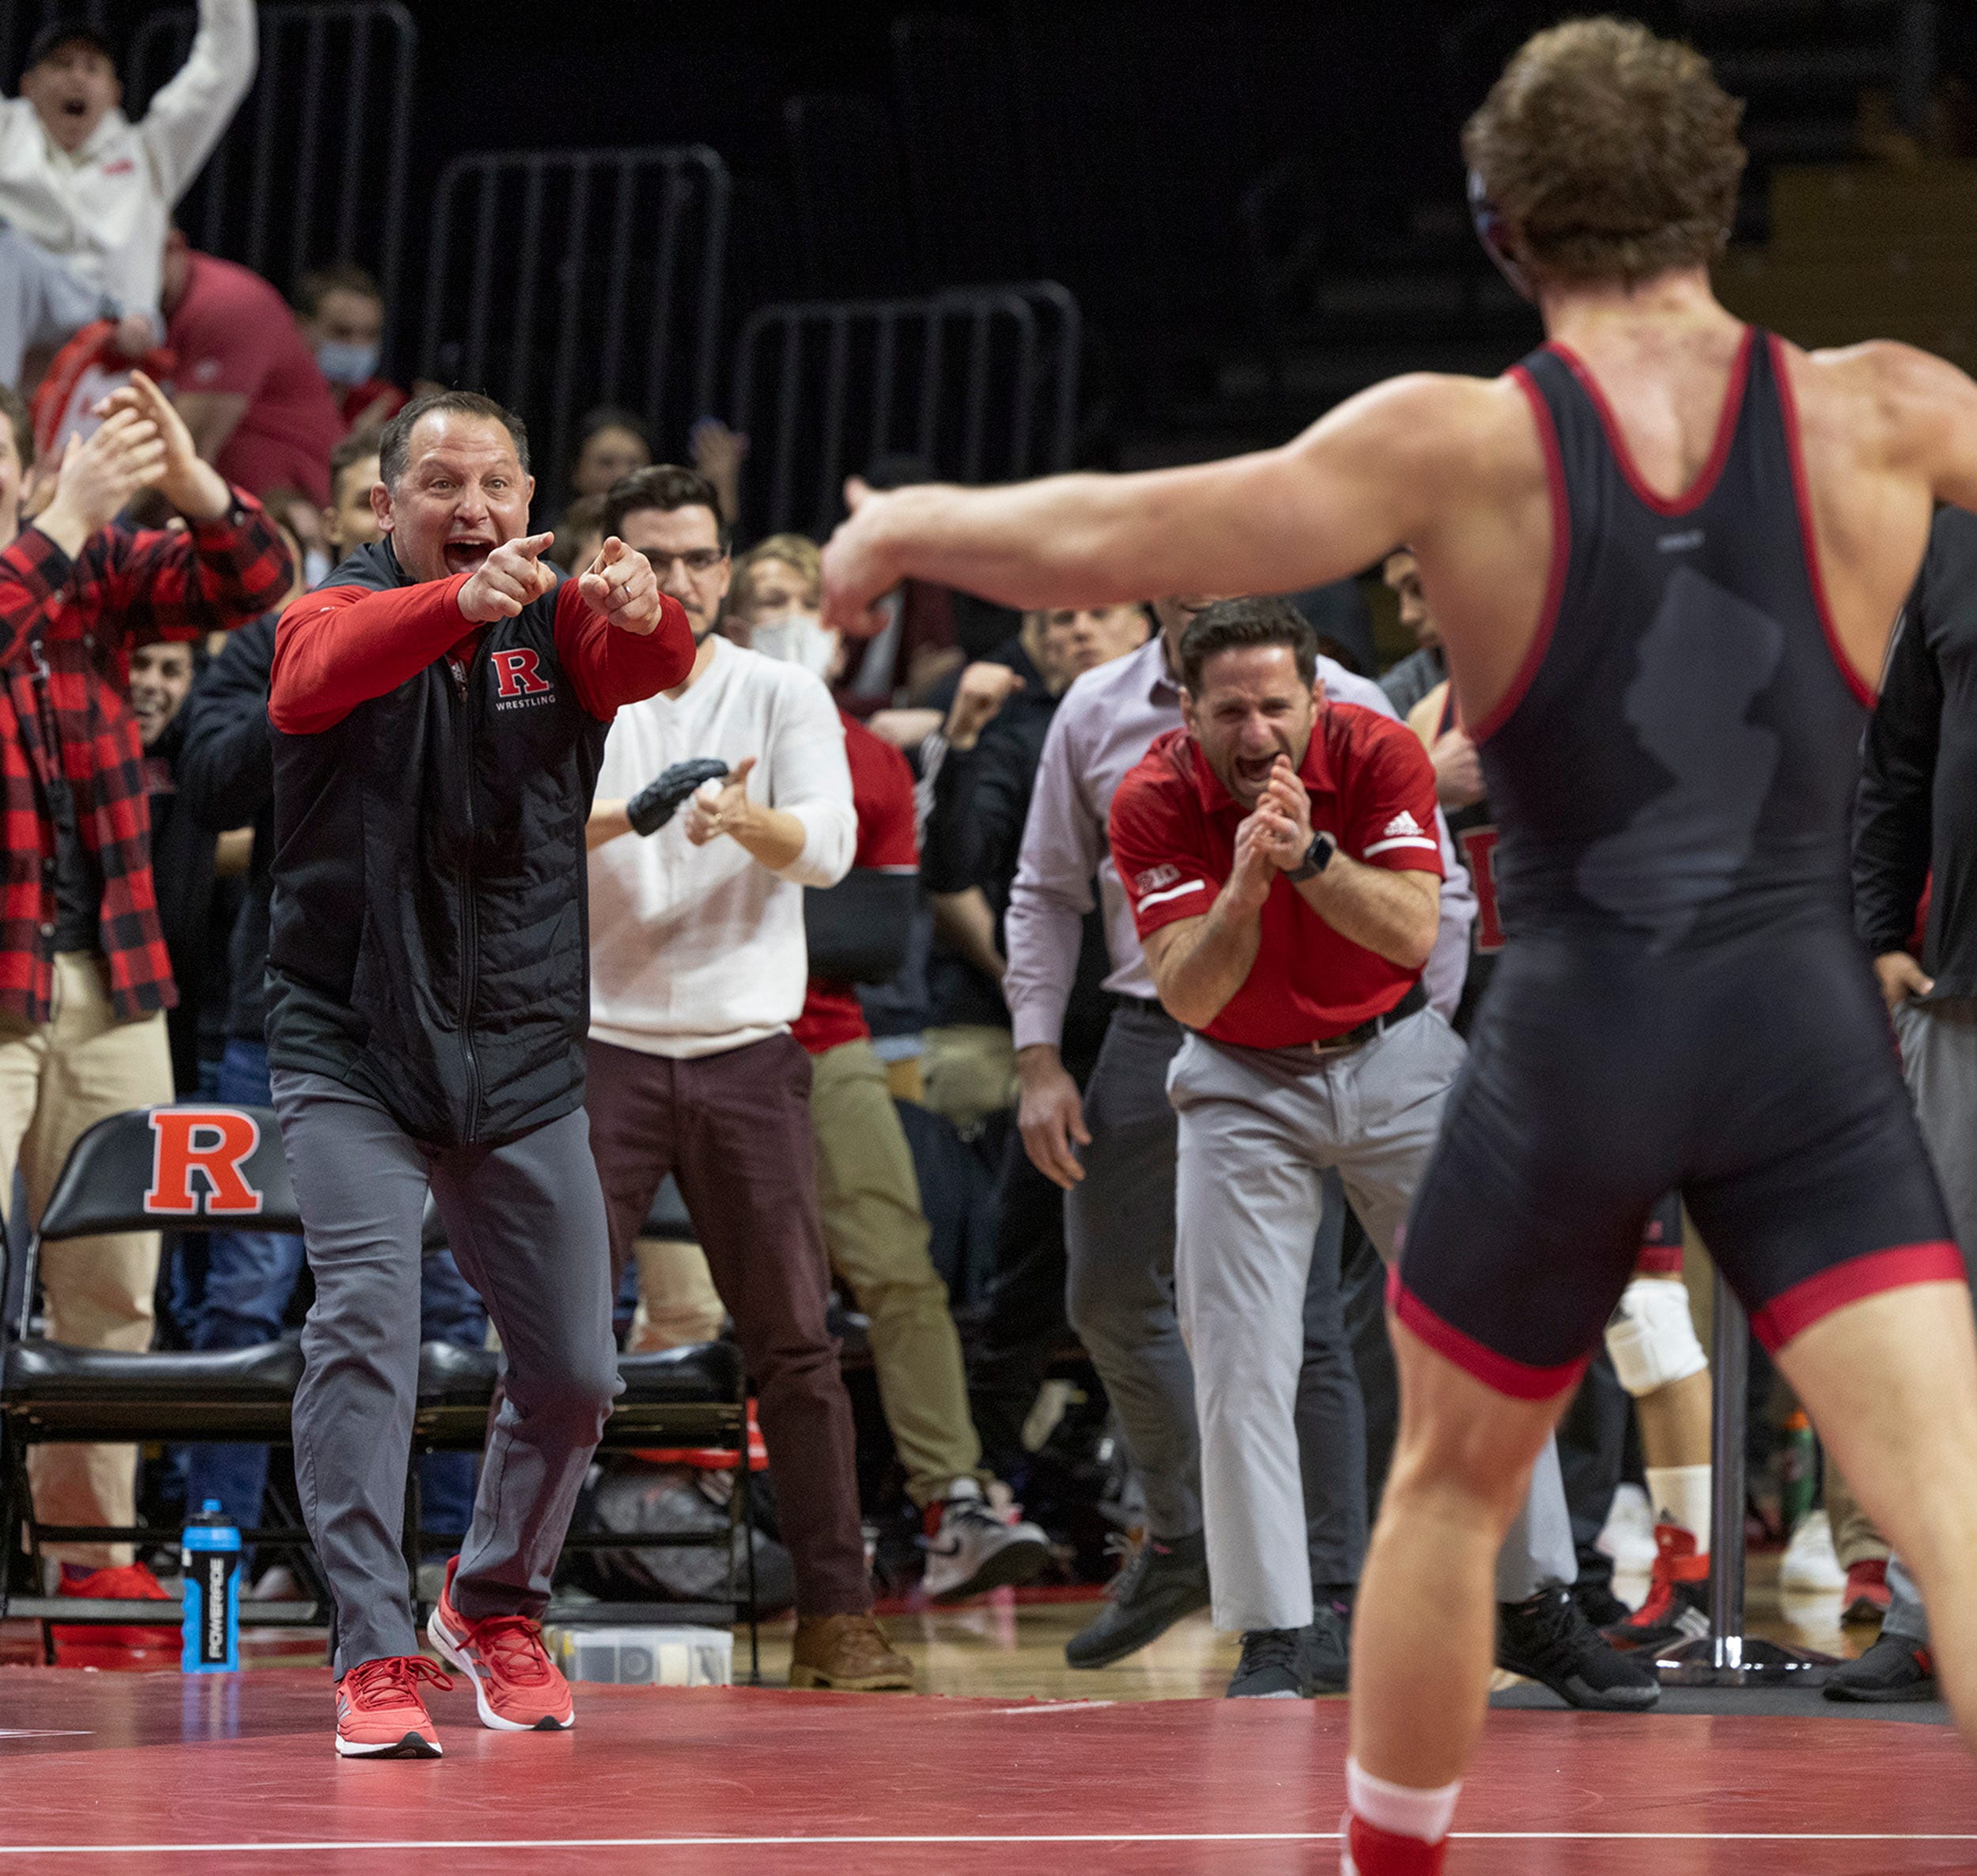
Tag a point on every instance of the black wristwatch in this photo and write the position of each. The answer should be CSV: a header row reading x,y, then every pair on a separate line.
x,y
1317,856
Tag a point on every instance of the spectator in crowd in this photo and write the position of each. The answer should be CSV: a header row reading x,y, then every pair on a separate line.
x,y
43,301
580,534
981,764
610,444
238,1294
85,979
341,314
96,190
868,1194
698,972
1916,862
1425,667
425,1035
772,607
1310,1047
247,385
719,454
350,520
1119,1209
300,515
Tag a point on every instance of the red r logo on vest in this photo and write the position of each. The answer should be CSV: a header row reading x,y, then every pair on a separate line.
x,y
1479,850
517,674
214,1142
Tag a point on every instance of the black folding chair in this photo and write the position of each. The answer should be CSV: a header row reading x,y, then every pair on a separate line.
x,y
193,1167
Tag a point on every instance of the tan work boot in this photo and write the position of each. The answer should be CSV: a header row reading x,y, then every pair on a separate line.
x,y
848,1653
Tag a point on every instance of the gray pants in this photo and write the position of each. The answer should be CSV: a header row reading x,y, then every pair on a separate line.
x,y
1939,1062
1258,1129
525,1221
1119,1241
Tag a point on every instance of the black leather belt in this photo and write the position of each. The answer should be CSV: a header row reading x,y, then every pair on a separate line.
x,y
1416,999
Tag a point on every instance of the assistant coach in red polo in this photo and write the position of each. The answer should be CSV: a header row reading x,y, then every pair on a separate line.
x,y
1280,854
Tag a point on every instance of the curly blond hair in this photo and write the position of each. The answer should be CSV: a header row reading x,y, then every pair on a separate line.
x,y
1611,154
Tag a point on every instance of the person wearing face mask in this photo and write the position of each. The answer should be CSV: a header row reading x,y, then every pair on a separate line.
x,y
698,965
439,712
772,606
340,314
95,190
259,409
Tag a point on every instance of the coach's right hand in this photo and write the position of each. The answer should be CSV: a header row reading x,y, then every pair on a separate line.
x,y
1050,1114
98,475
508,580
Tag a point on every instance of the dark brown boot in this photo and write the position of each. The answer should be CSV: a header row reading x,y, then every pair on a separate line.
x,y
848,1653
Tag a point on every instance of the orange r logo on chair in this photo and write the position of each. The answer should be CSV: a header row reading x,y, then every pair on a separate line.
x,y
214,1142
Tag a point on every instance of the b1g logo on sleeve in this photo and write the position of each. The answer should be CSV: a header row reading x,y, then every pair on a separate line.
x,y
520,684
214,1142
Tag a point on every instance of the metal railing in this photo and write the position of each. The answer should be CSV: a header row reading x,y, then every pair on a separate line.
x,y
563,279
313,167
981,382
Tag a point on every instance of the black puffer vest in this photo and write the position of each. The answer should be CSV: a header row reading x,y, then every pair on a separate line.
x,y
430,933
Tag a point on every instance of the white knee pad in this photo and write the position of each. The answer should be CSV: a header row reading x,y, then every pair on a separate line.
x,y
1652,1337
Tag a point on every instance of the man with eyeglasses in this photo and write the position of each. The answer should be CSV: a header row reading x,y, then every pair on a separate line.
x,y
698,970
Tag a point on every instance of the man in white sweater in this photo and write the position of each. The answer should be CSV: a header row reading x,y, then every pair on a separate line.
x,y
698,966
96,190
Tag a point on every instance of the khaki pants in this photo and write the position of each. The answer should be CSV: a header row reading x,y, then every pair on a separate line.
x,y
57,1078
876,1235
969,1071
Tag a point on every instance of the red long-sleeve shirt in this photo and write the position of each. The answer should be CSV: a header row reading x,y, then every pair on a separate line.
x,y
343,645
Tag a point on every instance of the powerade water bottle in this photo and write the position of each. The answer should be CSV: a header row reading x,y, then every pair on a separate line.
x,y
211,1557
1797,1467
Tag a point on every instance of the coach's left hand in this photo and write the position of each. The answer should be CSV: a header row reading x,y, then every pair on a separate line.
x,y
1284,816
620,585
194,488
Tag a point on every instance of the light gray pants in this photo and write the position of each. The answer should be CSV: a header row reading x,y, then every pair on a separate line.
x,y
1258,1129
1939,1062
1119,1239
525,1221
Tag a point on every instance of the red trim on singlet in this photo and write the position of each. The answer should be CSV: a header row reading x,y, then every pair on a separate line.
x,y
1801,498
1659,1260
1698,491
1561,560
1518,1379
1792,1311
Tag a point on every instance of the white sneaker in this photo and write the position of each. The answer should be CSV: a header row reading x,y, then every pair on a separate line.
x,y
1627,1537
1811,1563
975,1548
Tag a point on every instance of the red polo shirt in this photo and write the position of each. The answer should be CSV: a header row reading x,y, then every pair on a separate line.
x,y
1174,829
881,792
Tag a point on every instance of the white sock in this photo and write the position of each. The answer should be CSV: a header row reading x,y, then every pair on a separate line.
x,y
1401,1810
1681,1496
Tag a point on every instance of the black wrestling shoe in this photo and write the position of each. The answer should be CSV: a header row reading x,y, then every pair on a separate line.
x,y
1276,1665
1328,1648
1892,1670
1162,1583
1548,1640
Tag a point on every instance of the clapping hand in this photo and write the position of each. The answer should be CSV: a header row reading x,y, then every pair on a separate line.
x,y
98,475
1284,817
620,585
720,808
984,689
193,487
510,578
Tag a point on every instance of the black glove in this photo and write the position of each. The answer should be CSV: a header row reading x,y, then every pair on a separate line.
x,y
656,803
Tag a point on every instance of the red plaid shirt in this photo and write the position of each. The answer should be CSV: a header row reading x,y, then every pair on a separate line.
x,y
67,629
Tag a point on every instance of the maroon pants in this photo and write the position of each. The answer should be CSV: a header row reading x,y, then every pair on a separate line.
x,y
734,1129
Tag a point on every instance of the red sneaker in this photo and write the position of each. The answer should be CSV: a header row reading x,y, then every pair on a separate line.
x,y
131,1583
516,1687
1867,1592
1371,1851
379,1713
1674,1610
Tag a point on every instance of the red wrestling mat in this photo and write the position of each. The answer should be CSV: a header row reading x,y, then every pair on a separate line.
x,y
136,1774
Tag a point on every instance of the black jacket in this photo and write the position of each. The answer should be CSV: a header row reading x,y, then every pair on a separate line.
x,y
226,779
1915,818
429,932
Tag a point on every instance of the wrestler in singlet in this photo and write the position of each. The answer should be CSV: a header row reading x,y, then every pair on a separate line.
x,y
1473,829
1682,1003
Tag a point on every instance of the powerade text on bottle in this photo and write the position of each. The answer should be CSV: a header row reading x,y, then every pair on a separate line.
x,y
211,1555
